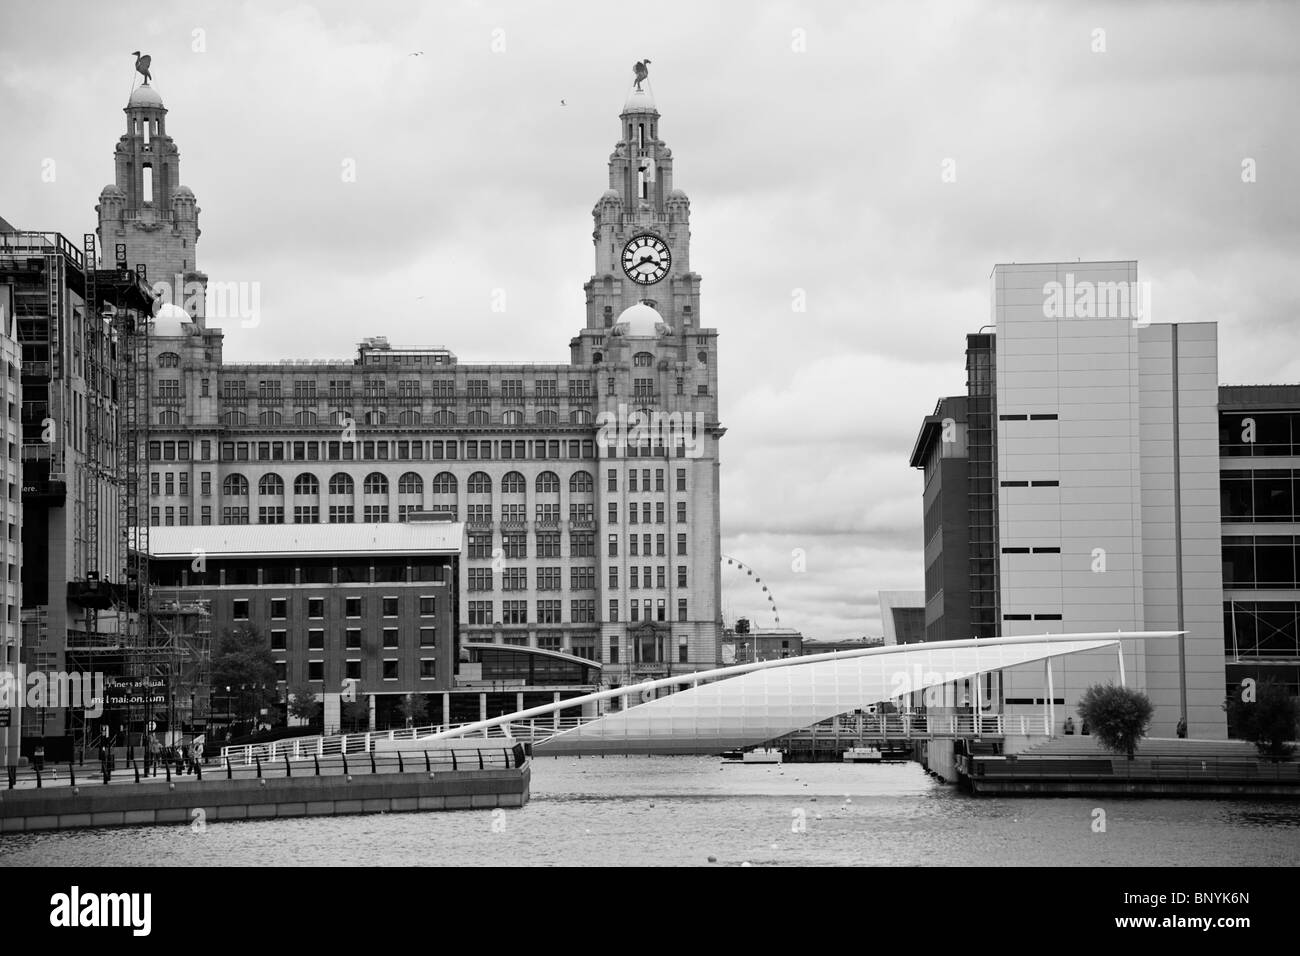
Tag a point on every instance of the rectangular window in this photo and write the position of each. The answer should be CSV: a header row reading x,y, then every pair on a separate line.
x,y
428,668
548,544
681,609
613,512
613,610
389,605
480,579
582,611
681,512
681,545
279,640
582,544
352,669
681,575
390,637
206,515
239,609
315,607
514,579
428,606
390,668
315,670
612,478
514,612
428,637
279,607
352,637
316,639
480,612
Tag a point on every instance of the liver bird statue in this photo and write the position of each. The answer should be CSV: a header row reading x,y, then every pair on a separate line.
x,y
641,72
142,64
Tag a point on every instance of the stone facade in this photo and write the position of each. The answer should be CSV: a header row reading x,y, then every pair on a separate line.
x,y
587,531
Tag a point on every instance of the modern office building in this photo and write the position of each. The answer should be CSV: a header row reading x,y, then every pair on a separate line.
x,y
588,489
902,616
1104,460
1259,443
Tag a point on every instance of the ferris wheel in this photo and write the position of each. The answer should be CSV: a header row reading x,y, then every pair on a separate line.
x,y
745,594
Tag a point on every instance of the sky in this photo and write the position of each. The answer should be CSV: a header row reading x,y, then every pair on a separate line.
x,y
855,172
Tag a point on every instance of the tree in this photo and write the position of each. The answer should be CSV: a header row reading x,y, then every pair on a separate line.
x,y
243,662
1266,717
414,708
356,714
303,702
1117,716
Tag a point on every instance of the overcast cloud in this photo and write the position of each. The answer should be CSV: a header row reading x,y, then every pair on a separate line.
x,y
816,171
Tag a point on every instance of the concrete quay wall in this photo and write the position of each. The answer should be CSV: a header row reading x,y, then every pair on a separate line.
x,y
221,800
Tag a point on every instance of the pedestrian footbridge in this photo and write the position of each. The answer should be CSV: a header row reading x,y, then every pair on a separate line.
x,y
751,704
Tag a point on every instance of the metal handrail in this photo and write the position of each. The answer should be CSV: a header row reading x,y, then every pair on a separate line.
x,y
431,761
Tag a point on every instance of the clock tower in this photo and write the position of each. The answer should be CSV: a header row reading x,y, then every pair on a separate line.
x,y
642,232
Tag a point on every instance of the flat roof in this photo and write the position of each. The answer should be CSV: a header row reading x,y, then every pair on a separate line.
x,y
383,539
1274,397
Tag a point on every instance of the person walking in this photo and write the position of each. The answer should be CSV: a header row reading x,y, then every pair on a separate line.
x,y
1181,730
1069,726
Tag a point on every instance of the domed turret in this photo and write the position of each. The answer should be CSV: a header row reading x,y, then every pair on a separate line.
x,y
145,97
171,320
640,322
640,101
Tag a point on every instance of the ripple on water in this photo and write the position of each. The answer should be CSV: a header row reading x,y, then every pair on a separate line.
x,y
670,811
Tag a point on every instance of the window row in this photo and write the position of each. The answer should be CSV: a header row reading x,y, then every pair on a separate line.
x,y
410,483
388,606
409,417
384,450
390,669
611,479
352,639
1263,495
516,579
374,386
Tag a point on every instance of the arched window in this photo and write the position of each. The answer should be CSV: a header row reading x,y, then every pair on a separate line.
x,y
409,417
548,416
169,417
444,483
548,483
479,417
304,418
512,417
234,417
479,484
306,484
271,484
410,484
596,358
444,417
513,484
235,486
341,484
168,360
580,416
376,416
580,481
341,417
376,484
270,417
643,359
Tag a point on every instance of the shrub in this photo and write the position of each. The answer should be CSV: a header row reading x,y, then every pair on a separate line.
x,y
1117,716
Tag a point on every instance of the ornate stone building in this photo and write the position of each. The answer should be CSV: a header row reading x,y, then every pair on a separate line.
x,y
589,490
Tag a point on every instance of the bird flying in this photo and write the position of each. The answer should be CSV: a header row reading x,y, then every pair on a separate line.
x,y
142,64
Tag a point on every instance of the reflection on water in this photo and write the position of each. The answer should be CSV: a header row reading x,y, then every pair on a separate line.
x,y
681,810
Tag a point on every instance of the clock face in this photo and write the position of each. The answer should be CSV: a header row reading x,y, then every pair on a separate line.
x,y
646,259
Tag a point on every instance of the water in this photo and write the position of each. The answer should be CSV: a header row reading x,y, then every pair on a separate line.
x,y
673,811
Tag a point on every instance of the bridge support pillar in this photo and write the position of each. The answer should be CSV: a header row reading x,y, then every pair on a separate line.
x,y
1051,699
555,718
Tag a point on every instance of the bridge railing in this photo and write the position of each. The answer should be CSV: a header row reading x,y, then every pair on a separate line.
x,y
903,726
487,757
304,748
